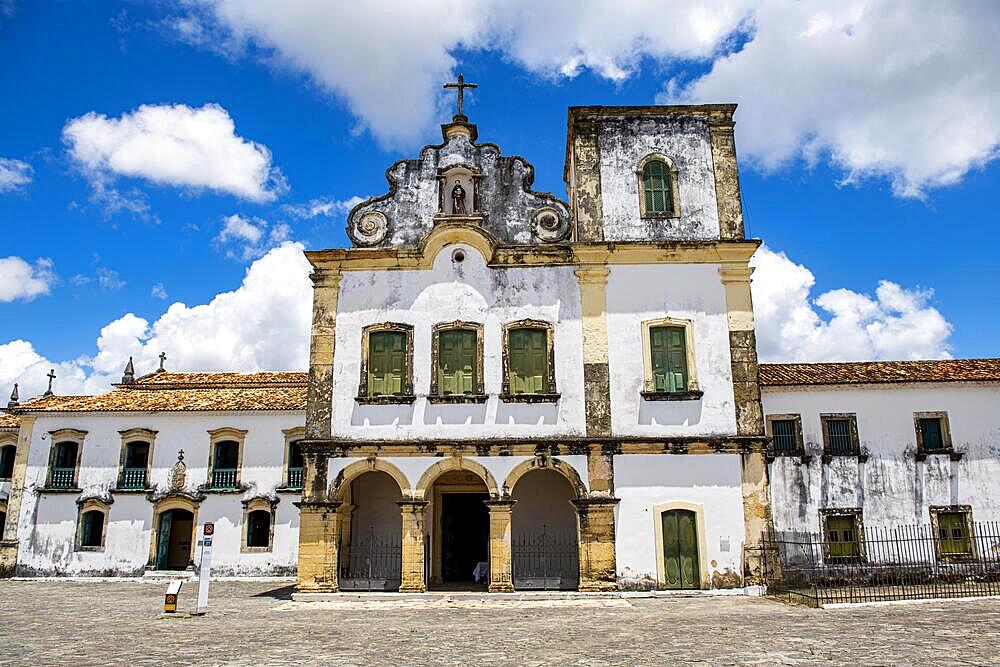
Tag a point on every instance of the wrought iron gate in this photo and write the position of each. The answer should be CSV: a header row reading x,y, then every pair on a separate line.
x,y
546,560
372,563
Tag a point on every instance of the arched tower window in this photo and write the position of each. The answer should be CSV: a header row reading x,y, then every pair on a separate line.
x,y
658,188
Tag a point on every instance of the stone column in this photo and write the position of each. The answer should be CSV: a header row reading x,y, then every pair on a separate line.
x,y
319,402
9,544
501,579
727,175
757,517
414,526
601,470
319,546
596,382
346,511
596,521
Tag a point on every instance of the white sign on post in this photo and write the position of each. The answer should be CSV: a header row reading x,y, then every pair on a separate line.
x,y
205,568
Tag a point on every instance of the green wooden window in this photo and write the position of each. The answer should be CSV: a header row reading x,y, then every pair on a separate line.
x,y
930,434
669,358
783,433
839,436
457,362
657,189
386,363
842,535
953,531
529,360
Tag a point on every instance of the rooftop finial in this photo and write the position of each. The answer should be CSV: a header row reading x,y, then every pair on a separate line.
x,y
51,376
163,360
129,376
461,85
14,398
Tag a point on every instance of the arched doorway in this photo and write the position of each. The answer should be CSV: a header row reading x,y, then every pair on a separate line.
x,y
461,531
174,539
545,552
371,533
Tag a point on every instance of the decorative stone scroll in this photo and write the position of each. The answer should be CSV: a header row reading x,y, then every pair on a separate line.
x,y
369,229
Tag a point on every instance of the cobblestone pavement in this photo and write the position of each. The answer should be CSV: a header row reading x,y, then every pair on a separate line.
x,y
61,622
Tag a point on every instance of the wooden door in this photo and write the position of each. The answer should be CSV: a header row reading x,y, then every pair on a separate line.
x,y
680,549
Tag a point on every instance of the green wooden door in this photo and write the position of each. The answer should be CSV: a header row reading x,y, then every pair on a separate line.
x,y
680,549
163,539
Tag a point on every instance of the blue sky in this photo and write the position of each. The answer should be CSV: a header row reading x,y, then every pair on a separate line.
x,y
924,227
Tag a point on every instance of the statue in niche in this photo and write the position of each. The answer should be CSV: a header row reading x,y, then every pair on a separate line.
x,y
458,199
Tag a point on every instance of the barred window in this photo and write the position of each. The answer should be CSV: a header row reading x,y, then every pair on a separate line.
x,y
784,435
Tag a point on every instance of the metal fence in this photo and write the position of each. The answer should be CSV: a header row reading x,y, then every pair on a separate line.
x,y
545,560
371,562
897,563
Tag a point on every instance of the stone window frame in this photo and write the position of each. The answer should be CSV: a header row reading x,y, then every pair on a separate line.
x,y
857,514
226,434
407,396
551,393
479,395
65,435
138,434
85,506
852,419
800,447
254,505
9,440
947,447
649,392
294,434
973,553
675,212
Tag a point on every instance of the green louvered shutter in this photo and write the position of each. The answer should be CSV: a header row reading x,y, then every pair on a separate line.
x,y
669,357
386,363
528,360
656,188
954,534
457,362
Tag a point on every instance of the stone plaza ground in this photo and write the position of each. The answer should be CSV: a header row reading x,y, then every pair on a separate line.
x,y
250,623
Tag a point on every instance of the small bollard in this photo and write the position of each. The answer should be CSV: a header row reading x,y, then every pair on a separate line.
x,y
170,599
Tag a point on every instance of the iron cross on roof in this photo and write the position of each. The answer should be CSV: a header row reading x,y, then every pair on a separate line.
x,y
461,85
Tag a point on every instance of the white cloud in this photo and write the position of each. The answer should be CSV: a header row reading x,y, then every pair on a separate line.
x,y
902,90
322,206
261,325
387,60
249,238
14,174
905,90
177,145
158,291
109,279
21,280
840,324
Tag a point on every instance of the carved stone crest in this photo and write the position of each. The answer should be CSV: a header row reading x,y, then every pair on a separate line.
x,y
178,474
371,228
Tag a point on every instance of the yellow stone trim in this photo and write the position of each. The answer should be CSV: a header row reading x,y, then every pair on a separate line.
x,y
699,520
8,547
138,434
224,434
739,304
455,463
255,505
291,435
166,505
647,356
92,504
593,313
65,435
544,463
500,555
342,485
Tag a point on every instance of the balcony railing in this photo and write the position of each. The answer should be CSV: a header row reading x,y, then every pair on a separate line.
x,y
224,478
295,478
62,478
134,478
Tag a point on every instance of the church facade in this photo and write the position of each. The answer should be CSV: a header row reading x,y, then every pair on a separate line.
x,y
507,390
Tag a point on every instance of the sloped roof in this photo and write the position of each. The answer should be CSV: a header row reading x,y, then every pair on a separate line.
x,y
880,372
175,392
8,420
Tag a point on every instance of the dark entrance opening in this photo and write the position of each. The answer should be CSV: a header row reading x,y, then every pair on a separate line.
x,y
465,535
173,539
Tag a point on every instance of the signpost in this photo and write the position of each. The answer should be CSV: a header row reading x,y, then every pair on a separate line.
x,y
170,600
205,567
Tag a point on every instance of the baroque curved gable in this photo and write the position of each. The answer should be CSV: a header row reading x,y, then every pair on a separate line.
x,y
495,192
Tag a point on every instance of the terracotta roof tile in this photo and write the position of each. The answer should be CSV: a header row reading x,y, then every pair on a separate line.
x,y
8,420
880,372
212,380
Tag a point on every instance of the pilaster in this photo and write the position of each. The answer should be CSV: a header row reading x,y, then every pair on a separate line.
x,y
601,471
743,348
586,183
757,516
596,381
319,404
8,546
414,526
598,564
319,541
501,573
727,176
